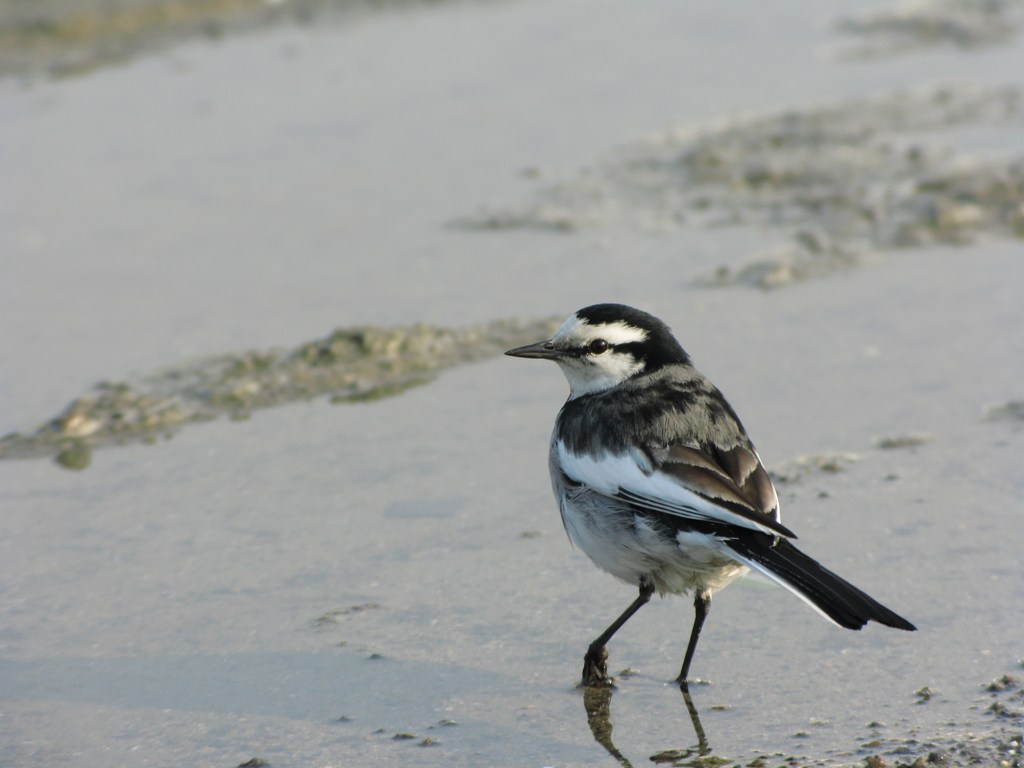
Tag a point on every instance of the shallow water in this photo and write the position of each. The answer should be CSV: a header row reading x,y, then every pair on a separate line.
x,y
306,584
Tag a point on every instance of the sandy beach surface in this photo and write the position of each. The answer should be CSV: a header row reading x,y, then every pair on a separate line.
x,y
826,203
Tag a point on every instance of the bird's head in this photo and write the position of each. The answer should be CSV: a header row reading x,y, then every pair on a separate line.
x,y
603,345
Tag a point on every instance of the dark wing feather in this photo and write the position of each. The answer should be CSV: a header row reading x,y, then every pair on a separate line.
x,y
745,470
739,483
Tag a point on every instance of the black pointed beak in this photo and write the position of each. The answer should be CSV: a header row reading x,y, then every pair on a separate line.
x,y
542,350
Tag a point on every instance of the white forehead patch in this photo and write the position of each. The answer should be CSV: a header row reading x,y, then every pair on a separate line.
x,y
577,333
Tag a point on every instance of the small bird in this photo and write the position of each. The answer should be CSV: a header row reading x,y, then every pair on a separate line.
x,y
658,483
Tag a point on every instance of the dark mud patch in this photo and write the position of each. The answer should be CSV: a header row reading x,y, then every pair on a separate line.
x,y
333,616
910,26
350,365
804,467
903,441
838,183
1012,410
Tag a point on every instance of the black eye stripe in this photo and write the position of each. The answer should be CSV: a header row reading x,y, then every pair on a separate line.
x,y
634,348
588,348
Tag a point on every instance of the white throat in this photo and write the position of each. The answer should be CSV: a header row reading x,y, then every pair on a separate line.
x,y
586,378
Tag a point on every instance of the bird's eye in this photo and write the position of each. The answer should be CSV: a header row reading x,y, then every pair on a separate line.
x,y
597,346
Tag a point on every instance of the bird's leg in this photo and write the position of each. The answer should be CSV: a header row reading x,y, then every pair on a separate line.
x,y
595,666
701,605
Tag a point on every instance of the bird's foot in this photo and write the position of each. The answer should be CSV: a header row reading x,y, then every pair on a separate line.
x,y
595,669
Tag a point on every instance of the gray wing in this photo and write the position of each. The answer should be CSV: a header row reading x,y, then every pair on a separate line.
x,y
733,479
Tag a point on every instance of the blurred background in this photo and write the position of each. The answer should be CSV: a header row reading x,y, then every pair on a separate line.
x,y
267,488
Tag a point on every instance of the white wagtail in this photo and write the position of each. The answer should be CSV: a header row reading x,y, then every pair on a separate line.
x,y
658,483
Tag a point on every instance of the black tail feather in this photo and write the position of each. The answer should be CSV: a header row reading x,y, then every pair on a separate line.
x,y
838,599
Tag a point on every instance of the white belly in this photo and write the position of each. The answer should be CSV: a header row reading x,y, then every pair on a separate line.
x,y
632,548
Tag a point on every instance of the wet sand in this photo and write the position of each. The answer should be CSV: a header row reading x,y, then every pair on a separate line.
x,y
385,581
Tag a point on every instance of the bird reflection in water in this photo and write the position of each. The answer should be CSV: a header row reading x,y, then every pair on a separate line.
x,y
597,701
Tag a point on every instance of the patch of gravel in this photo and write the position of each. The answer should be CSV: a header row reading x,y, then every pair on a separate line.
x,y
839,183
350,365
